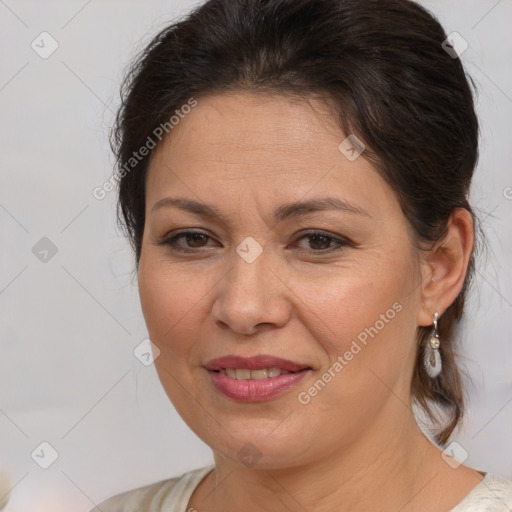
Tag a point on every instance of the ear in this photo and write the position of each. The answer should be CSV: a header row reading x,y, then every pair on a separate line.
x,y
444,267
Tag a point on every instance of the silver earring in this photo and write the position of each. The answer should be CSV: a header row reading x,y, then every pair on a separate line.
x,y
432,360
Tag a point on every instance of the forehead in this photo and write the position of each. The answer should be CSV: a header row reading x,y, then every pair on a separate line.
x,y
226,125
267,145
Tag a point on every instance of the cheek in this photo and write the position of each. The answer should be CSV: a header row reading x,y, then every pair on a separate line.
x,y
354,300
364,322
169,302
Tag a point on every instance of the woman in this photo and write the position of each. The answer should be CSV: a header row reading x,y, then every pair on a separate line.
x,y
294,178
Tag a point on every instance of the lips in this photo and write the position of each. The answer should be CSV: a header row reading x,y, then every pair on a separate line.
x,y
254,379
259,362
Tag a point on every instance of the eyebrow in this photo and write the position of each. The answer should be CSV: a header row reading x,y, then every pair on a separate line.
x,y
286,211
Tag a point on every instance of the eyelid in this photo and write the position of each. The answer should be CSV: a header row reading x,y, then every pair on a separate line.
x,y
340,242
174,236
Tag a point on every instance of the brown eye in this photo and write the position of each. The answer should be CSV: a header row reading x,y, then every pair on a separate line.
x,y
319,242
323,243
196,239
186,241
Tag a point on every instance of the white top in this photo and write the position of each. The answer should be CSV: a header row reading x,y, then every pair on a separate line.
x,y
492,494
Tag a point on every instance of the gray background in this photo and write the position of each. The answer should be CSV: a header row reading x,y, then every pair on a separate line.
x,y
70,324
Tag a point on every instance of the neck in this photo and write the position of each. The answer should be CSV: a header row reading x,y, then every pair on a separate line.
x,y
379,471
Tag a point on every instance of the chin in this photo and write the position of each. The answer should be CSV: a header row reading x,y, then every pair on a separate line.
x,y
256,444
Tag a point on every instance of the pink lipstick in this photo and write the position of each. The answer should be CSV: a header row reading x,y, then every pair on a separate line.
x,y
254,379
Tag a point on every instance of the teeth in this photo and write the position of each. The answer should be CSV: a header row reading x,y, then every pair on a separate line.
x,y
245,374
259,374
275,372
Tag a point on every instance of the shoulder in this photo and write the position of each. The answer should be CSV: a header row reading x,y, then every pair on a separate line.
x,y
492,494
169,495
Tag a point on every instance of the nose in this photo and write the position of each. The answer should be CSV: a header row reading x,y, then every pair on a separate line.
x,y
250,297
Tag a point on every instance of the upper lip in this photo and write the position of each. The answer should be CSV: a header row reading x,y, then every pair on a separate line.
x,y
253,363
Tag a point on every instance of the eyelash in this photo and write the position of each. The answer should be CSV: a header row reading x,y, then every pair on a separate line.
x,y
342,243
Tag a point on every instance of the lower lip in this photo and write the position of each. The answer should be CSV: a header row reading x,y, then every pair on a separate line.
x,y
256,390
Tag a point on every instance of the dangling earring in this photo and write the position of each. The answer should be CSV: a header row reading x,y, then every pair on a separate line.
x,y
432,360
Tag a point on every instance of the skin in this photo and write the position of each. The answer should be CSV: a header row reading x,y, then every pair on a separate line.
x,y
246,155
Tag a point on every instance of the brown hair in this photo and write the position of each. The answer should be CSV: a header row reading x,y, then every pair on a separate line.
x,y
388,80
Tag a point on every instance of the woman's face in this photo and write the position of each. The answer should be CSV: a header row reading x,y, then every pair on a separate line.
x,y
331,286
